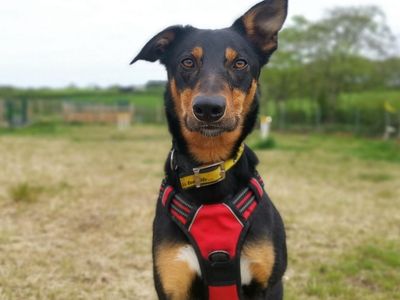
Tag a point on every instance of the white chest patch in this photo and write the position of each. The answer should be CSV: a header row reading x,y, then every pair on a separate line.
x,y
245,270
187,254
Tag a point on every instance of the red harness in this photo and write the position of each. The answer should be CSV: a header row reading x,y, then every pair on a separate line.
x,y
217,233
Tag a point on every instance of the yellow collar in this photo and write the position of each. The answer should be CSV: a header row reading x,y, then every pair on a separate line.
x,y
201,177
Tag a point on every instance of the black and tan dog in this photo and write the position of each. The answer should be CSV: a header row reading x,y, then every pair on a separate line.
x,y
211,104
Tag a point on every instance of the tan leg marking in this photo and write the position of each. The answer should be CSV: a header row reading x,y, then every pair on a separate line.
x,y
260,258
175,273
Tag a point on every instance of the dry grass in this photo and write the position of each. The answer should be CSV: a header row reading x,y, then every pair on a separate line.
x,y
88,234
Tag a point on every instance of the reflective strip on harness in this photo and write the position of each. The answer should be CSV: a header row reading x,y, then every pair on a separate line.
x,y
249,210
179,211
254,182
166,193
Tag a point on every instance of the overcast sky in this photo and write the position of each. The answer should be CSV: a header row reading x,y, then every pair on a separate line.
x,y
91,42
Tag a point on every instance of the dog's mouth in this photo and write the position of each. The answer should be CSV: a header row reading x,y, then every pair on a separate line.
x,y
212,129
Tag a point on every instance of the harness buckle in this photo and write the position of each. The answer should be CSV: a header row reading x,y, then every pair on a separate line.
x,y
197,172
219,256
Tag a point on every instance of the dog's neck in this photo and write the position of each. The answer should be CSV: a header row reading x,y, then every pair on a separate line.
x,y
236,177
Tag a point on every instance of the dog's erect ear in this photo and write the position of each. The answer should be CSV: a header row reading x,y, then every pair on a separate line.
x,y
261,24
159,44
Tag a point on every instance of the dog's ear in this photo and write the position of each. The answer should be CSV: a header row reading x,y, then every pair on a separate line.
x,y
159,44
260,25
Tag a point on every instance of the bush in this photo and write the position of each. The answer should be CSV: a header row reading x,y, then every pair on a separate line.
x,y
263,144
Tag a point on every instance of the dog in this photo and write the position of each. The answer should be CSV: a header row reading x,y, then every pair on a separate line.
x,y
216,233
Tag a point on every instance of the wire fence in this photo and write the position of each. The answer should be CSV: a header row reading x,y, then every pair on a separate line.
x,y
358,120
371,121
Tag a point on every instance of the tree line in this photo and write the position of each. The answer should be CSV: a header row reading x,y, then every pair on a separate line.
x,y
349,50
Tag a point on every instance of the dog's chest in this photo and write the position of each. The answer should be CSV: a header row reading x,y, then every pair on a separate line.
x,y
256,262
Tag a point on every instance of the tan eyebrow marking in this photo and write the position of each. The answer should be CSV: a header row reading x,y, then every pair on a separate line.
x,y
230,54
197,52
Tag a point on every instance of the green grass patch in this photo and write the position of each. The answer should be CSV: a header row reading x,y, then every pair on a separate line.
x,y
25,192
150,97
376,177
372,270
346,146
46,128
377,150
371,99
263,144
343,145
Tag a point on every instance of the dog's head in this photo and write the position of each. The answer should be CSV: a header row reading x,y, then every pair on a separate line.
x,y
212,78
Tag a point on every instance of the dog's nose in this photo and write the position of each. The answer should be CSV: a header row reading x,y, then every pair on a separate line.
x,y
209,108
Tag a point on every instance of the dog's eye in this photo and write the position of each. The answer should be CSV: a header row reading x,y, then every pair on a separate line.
x,y
240,64
187,63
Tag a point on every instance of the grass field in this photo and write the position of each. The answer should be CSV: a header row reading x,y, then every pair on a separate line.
x,y
76,207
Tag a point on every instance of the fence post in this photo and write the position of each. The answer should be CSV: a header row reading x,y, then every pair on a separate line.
x,y
159,114
265,125
2,112
398,126
317,116
357,121
282,115
24,111
388,128
10,113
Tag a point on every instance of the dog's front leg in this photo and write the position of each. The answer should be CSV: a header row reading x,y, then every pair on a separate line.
x,y
177,266
257,262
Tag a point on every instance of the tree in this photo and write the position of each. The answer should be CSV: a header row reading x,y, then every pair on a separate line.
x,y
322,59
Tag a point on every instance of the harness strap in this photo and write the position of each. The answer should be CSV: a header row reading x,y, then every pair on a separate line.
x,y
217,232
